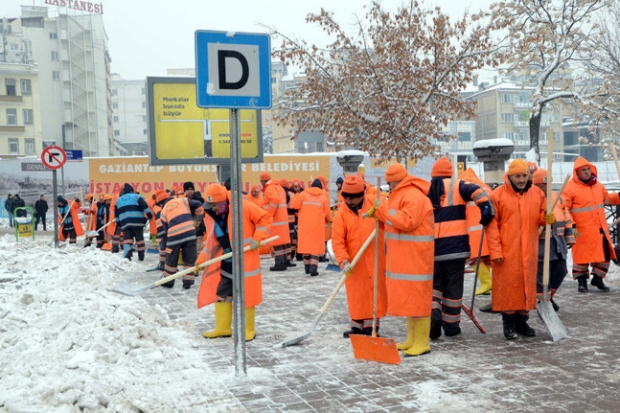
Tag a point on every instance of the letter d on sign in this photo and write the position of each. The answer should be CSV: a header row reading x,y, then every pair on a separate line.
x,y
234,69
222,55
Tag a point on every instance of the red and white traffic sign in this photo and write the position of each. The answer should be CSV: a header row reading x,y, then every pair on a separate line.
x,y
53,157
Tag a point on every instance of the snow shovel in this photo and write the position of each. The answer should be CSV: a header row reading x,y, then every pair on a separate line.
x,y
544,307
131,289
94,233
469,311
304,336
332,266
374,348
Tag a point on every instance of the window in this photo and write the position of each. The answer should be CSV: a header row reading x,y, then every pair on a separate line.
x,y
117,132
143,118
508,117
53,35
143,104
26,87
56,75
506,98
28,119
11,117
11,90
13,145
143,91
114,105
29,146
54,55
114,92
115,118
8,28
144,131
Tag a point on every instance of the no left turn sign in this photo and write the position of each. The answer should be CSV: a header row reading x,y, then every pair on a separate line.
x,y
53,157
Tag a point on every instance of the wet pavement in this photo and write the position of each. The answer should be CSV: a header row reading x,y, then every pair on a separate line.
x,y
472,372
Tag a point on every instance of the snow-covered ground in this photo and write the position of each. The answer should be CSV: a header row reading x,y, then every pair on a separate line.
x,y
68,344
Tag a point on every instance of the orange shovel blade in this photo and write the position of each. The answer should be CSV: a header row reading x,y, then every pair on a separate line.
x,y
107,247
375,349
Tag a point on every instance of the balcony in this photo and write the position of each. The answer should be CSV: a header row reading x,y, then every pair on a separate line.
x,y
10,128
5,98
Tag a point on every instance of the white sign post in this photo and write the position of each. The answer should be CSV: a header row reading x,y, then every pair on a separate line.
x,y
54,157
233,70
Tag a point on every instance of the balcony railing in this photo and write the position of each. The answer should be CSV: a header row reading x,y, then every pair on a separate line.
x,y
5,98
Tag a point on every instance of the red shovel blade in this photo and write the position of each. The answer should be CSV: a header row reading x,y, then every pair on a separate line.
x,y
375,349
473,318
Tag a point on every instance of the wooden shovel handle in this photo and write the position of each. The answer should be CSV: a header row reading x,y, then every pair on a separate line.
x,y
344,276
209,262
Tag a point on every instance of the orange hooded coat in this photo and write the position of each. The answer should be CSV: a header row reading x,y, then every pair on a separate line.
x,y
256,226
513,236
349,232
314,213
410,248
586,204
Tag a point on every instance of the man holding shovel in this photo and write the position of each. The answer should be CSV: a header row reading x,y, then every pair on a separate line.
x,y
217,279
561,240
409,238
513,245
349,231
585,198
131,212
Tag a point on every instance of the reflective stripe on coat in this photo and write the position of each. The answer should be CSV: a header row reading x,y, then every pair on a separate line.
x,y
410,247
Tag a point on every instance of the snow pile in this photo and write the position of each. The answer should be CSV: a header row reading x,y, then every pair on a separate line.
x,y
68,344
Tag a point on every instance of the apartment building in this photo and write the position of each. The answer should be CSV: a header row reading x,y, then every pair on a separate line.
x,y
20,113
71,54
129,116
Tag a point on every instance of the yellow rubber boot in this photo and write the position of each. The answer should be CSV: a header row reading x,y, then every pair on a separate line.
x,y
410,336
250,331
223,321
484,275
421,329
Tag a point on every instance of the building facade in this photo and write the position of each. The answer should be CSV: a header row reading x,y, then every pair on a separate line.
x,y
73,63
20,110
129,116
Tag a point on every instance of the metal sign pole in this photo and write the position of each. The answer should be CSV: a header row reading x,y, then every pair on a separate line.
x,y
55,218
237,247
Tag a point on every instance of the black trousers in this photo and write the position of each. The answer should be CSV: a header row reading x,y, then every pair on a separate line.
x,y
42,219
448,280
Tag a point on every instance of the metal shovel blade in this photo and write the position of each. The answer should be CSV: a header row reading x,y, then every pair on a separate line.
x,y
131,289
301,338
552,321
375,349
92,233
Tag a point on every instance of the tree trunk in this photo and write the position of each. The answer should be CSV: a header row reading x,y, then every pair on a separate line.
x,y
535,133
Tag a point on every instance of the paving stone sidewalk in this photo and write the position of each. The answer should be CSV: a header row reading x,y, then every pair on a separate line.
x,y
472,372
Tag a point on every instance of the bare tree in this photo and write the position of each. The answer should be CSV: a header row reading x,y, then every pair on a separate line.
x,y
391,87
548,38
602,64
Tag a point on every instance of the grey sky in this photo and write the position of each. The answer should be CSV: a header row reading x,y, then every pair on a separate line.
x,y
148,37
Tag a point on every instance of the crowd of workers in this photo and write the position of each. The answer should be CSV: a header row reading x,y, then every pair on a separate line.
x,y
429,233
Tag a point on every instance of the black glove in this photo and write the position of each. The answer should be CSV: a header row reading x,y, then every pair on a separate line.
x,y
487,213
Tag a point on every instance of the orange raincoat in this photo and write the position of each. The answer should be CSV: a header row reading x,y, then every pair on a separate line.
x,y
314,213
474,227
349,232
274,202
513,236
79,231
410,246
586,204
256,226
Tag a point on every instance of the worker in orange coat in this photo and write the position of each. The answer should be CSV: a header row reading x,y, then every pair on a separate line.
x,y
255,196
474,230
274,202
349,232
409,238
314,213
217,281
449,196
585,198
70,226
562,238
513,245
